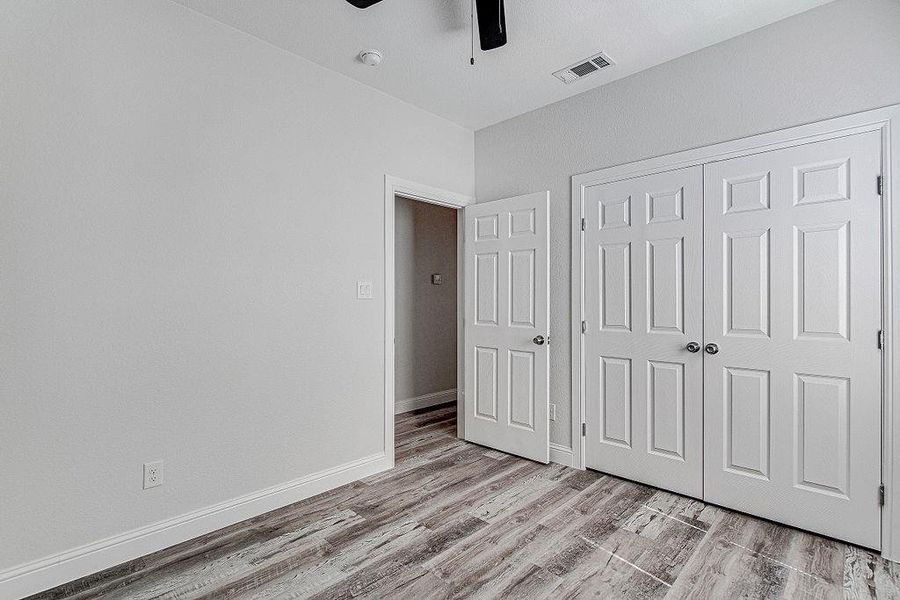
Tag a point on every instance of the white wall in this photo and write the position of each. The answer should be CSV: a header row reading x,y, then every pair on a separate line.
x,y
840,58
184,213
425,314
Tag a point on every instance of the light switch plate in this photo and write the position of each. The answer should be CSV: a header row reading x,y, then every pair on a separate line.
x,y
552,412
364,290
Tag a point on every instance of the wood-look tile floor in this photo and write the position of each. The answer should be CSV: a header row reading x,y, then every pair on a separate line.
x,y
455,520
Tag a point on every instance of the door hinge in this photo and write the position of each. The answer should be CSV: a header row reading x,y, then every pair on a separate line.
x,y
881,339
881,495
583,429
582,224
879,183
583,326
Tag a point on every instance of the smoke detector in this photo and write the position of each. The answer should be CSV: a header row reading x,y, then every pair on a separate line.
x,y
371,58
583,68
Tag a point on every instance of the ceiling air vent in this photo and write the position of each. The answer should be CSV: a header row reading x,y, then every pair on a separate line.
x,y
583,68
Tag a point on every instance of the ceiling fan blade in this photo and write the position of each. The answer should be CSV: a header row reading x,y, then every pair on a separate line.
x,y
363,3
491,23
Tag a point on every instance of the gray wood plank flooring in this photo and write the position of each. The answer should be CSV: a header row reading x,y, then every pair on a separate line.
x,y
455,520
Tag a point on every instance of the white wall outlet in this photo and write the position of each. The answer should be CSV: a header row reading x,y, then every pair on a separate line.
x,y
153,474
552,412
364,290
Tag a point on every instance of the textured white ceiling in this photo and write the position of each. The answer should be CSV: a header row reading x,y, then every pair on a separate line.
x,y
426,43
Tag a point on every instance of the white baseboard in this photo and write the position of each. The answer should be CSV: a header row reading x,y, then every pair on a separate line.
x,y
561,455
424,401
45,573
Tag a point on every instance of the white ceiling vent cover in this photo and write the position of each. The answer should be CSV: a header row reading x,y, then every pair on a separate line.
x,y
583,68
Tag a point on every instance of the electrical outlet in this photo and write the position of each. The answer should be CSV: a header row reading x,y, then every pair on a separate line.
x,y
552,412
364,290
153,474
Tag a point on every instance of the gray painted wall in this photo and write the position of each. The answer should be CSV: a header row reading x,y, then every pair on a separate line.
x,y
184,214
837,59
425,314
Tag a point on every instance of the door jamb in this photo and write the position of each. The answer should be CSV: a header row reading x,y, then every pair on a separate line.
x,y
885,120
394,186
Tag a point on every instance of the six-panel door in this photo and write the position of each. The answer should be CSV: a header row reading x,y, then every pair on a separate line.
x,y
507,325
793,396
643,306
786,310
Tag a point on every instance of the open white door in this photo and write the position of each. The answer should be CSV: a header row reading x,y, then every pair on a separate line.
x,y
507,293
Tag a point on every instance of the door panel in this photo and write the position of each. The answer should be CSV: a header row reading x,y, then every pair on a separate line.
x,y
485,392
486,288
665,407
746,427
615,287
506,307
792,299
746,282
643,297
615,401
665,278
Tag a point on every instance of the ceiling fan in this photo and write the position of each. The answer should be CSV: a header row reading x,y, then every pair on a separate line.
x,y
491,21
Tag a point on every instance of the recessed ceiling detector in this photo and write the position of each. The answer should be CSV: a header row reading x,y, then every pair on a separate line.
x,y
371,58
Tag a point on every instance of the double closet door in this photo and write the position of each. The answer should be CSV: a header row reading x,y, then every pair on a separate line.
x,y
731,348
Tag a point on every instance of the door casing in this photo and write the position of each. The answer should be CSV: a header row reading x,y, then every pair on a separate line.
x,y
886,121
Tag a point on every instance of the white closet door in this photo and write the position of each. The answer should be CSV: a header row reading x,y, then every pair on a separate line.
x,y
643,306
793,395
507,297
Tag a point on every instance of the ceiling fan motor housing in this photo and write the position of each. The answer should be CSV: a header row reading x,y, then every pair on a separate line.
x,y
491,21
363,3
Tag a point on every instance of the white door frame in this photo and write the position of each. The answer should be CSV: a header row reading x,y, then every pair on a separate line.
x,y
885,120
394,186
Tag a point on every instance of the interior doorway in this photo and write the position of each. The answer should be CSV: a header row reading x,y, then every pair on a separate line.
x,y
502,318
425,305
418,391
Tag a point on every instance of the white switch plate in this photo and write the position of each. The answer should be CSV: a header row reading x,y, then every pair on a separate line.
x,y
153,474
552,412
364,290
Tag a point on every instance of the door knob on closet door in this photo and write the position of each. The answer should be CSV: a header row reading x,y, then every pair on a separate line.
x,y
693,347
539,340
712,348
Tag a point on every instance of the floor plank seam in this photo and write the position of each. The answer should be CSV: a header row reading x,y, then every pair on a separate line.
x,y
627,562
775,560
659,512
